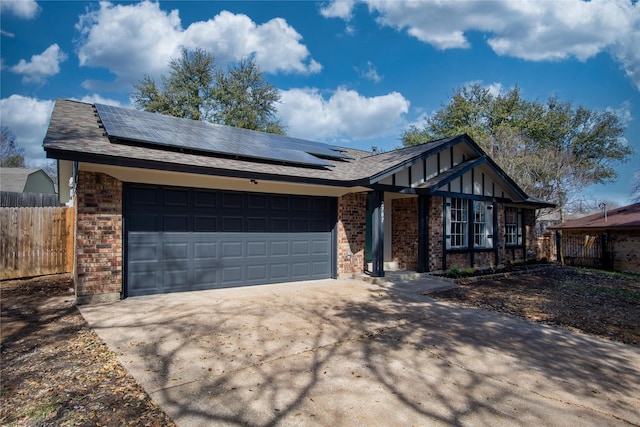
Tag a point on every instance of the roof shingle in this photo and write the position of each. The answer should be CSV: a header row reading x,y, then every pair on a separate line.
x,y
74,133
624,217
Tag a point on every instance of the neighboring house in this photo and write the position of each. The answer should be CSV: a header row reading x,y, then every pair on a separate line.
x,y
25,180
167,204
605,239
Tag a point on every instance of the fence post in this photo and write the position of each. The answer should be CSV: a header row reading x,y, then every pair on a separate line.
x,y
559,247
607,258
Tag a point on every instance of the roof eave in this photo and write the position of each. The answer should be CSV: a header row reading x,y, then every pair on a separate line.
x,y
185,168
415,159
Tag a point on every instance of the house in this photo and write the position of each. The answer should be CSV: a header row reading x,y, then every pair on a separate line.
x,y
167,204
25,180
605,239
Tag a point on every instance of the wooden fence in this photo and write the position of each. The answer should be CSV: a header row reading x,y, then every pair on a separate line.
x,y
27,200
585,249
36,241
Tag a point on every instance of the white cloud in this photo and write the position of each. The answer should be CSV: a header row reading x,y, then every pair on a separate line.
x,y
627,52
338,9
41,66
495,89
133,39
26,9
129,40
344,115
369,72
623,112
27,118
98,99
528,29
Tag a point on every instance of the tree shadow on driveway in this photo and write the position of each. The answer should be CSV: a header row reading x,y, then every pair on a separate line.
x,y
351,353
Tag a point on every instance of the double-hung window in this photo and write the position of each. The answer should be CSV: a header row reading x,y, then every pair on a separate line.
x,y
482,224
513,226
458,221
468,219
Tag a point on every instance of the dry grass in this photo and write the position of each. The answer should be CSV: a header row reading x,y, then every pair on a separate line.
x,y
594,302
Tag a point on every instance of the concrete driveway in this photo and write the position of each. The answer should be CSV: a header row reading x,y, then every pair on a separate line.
x,y
349,353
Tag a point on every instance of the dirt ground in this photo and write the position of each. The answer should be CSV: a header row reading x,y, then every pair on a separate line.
x,y
593,302
56,371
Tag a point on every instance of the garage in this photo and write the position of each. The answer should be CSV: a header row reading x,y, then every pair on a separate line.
x,y
184,239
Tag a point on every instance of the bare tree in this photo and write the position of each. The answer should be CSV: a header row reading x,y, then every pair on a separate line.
x,y
11,154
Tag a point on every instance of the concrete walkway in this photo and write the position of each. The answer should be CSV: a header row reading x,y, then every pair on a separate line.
x,y
350,353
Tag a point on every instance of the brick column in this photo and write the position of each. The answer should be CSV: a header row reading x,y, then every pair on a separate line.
x,y
404,227
436,236
98,269
531,237
352,211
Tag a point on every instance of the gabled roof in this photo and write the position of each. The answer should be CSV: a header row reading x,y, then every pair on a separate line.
x,y
15,179
624,217
76,133
446,177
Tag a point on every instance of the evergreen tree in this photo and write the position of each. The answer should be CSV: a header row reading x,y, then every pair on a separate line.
x,y
552,149
196,89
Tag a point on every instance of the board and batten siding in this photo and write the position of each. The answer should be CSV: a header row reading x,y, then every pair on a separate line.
x,y
480,181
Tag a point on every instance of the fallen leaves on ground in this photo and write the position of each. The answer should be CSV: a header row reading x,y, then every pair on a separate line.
x,y
594,302
56,370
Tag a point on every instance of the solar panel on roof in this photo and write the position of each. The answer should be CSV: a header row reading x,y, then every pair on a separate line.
x,y
168,131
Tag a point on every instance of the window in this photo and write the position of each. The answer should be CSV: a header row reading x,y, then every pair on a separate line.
x,y
458,219
482,224
462,224
479,225
513,226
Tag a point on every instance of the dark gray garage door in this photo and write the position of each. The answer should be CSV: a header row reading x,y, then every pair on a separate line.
x,y
182,239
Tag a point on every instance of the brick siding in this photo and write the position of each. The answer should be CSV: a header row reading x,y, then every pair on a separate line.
x,y
436,233
484,258
462,259
404,232
531,236
626,247
352,210
98,270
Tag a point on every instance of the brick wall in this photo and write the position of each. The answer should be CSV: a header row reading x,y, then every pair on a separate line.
x,y
481,258
352,210
404,232
98,270
436,235
626,247
547,246
458,260
485,259
531,236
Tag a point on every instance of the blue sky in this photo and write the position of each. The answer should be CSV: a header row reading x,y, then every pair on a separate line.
x,y
353,73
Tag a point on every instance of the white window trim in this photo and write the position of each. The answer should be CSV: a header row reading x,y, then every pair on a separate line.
x,y
518,225
485,209
464,235
466,238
